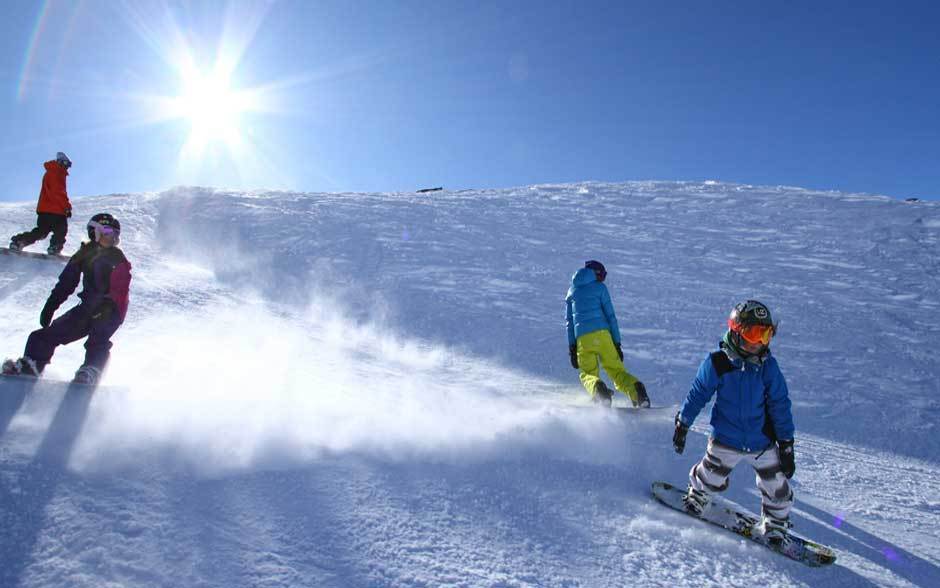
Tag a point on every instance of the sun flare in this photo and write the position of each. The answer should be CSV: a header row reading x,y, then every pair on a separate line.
x,y
210,100
213,109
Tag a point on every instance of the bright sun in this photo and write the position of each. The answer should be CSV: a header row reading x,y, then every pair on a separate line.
x,y
212,108
203,92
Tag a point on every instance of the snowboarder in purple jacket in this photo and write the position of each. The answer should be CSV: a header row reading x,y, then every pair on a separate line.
x,y
105,274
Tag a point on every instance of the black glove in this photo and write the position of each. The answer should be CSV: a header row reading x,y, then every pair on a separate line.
x,y
642,398
678,438
45,317
68,213
573,353
787,460
619,351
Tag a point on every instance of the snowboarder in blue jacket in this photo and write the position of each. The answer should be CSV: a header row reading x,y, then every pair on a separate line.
x,y
594,337
750,420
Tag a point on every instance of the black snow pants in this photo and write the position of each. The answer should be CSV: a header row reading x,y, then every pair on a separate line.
x,y
46,222
72,326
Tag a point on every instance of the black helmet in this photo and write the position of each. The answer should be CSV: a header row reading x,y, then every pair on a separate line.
x,y
751,321
599,270
751,312
99,222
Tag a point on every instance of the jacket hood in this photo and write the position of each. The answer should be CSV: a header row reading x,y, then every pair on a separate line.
x,y
738,355
582,277
53,166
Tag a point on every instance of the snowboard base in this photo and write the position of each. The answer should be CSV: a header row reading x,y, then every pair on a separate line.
x,y
623,410
41,380
34,254
7,364
732,517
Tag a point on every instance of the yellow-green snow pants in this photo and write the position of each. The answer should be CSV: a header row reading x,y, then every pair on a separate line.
x,y
595,350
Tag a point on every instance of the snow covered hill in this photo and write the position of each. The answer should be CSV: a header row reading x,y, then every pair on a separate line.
x,y
374,390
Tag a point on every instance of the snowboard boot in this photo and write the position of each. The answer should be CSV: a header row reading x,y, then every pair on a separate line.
x,y
602,394
23,366
642,398
87,375
54,249
695,501
16,245
773,529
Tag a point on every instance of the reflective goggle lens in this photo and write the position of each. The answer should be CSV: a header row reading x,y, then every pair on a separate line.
x,y
753,334
103,229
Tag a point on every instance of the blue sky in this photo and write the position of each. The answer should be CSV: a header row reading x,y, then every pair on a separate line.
x,y
388,96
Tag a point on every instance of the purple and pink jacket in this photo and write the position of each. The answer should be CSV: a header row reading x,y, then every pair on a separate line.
x,y
106,278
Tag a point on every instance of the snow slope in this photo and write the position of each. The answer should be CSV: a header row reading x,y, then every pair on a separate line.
x,y
374,390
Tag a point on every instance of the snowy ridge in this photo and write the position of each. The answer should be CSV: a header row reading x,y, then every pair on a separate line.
x,y
371,389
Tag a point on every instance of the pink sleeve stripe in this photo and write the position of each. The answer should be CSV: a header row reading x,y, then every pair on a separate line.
x,y
119,290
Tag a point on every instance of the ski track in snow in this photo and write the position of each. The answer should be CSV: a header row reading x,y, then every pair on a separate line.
x,y
371,390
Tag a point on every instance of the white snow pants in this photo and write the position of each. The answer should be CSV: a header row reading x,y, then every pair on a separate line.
x,y
711,475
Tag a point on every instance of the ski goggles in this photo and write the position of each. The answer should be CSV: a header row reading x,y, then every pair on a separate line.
x,y
754,334
105,230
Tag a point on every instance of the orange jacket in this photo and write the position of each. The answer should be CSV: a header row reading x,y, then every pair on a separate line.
x,y
53,197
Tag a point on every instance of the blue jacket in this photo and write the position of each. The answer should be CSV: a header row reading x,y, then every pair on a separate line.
x,y
738,414
588,307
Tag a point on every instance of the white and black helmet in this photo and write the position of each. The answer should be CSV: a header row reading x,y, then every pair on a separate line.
x,y
103,223
63,160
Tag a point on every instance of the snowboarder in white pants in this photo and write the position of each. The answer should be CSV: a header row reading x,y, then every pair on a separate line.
x,y
751,419
711,475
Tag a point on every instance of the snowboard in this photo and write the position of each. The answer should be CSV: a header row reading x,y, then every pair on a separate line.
x,y
732,517
4,373
41,380
624,410
34,254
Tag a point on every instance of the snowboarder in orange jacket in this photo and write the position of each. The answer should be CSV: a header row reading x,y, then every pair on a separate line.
x,y
53,210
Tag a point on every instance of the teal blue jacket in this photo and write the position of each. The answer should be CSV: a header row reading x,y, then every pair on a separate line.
x,y
588,307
